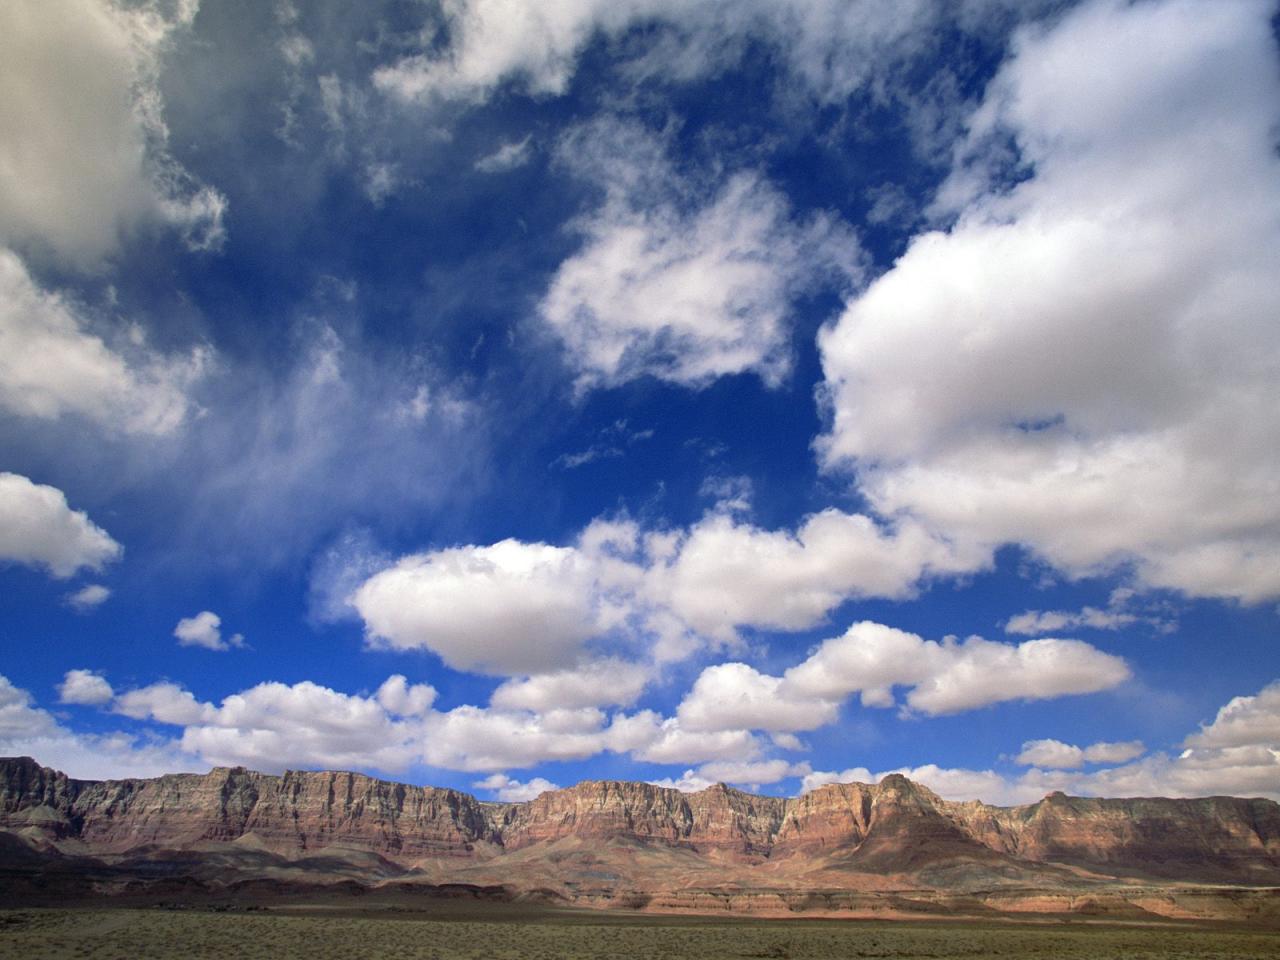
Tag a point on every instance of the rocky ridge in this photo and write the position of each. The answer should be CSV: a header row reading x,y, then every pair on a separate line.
x,y
611,839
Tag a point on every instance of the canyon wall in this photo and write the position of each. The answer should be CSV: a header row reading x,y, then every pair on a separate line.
x,y
893,827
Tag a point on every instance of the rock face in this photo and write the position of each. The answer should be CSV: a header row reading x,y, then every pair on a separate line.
x,y
893,829
296,812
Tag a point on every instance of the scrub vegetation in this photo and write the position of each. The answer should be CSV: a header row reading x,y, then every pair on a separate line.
x,y
515,933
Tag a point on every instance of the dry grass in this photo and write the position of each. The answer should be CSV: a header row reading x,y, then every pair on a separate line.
x,y
121,934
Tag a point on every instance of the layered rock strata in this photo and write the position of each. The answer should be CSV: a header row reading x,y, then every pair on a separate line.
x,y
894,827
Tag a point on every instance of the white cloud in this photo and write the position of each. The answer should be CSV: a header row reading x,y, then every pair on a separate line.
x,y
677,285
84,155
1123,609
752,774
39,529
398,696
520,608
746,773
164,702
507,608
734,696
475,738
205,630
688,782
959,784
84,687
1243,721
1031,622
18,717
1118,752
515,791
1069,366
830,47
492,39
664,740
27,730
1237,754
51,365
871,659
88,597
979,672
596,683
524,609
1055,754
273,726
1252,770
951,676
729,573
1051,753
506,157
820,778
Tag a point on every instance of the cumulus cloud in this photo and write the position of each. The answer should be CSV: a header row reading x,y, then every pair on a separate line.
x,y
164,702
1068,366
688,782
727,572
273,726
476,738
597,683
39,529
1065,756
1243,722
84,157
88,597
1237,754
205,630
665,740
749,774
1119,752
951,676
27,730
52,365
752,774
508,608
84,687
398,696
731,696
676,284
534,609
515,791
871,659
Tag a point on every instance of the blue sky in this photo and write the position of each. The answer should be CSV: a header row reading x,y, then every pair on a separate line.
x,y
496,394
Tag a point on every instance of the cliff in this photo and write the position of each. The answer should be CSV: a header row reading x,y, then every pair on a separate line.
x,y
607,834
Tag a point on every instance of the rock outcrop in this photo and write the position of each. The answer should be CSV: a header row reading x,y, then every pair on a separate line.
x,y
606,839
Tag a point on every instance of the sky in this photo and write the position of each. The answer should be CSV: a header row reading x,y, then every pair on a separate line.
x,y
496,394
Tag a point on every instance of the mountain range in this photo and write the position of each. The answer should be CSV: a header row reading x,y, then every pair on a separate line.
x,y
888,849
